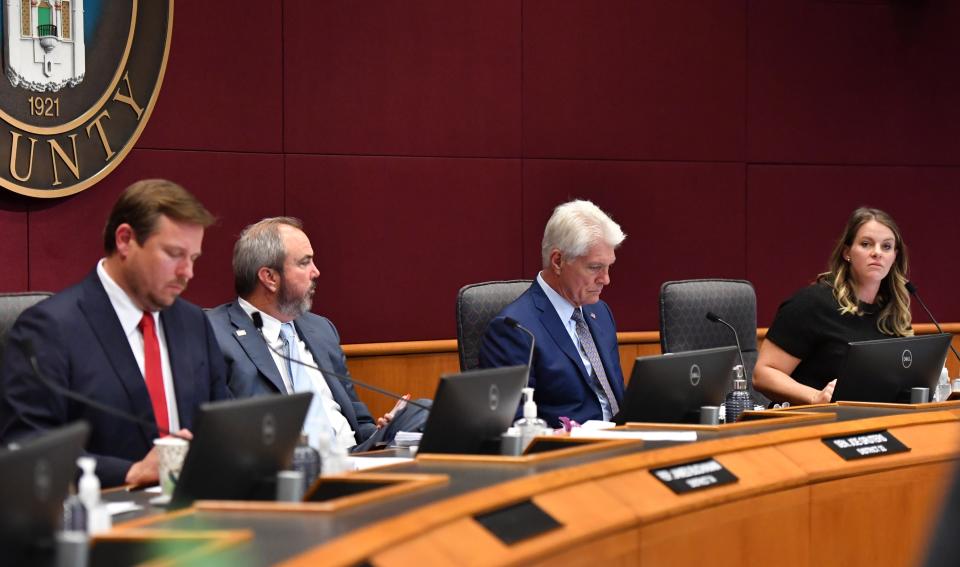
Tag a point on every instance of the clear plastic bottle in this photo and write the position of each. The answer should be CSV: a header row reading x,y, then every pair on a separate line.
x,y
88,491
944,388
529,425
306,459
739,399
74,515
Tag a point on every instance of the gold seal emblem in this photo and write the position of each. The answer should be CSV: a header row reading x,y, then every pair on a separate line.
x,y
81,79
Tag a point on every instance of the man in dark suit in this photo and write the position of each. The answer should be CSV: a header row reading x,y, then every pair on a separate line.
x,y
576,365
275,278
122,337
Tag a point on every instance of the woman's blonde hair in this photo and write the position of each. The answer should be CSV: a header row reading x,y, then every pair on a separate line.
x,y
893,299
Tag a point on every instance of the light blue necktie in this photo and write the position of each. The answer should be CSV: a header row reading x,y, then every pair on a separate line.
x,y
316,421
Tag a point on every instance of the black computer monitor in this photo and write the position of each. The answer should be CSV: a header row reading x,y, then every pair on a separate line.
x,y
34,480
671,388
238,446
471,410
885,370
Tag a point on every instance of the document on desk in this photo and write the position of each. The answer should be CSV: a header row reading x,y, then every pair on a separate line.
x,y
367,463
633,434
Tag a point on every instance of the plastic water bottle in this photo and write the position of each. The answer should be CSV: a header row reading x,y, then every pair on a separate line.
x,y
529,425
74,515
739,399
944,388
306,459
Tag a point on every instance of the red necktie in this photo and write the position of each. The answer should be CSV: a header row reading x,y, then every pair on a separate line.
x,y
153,371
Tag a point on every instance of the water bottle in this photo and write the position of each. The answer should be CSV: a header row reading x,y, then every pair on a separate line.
x,y
944,388
306,459
74,515
739,399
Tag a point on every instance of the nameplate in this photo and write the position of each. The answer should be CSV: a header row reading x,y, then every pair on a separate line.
x,y
864,445
693,476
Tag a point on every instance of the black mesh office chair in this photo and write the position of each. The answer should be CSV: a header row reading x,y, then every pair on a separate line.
x,y
477,304
11,306
684,325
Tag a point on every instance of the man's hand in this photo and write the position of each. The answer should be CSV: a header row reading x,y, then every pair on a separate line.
x,y
147,471
388,417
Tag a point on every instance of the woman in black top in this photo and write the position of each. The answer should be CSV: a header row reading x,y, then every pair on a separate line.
x,y
862,297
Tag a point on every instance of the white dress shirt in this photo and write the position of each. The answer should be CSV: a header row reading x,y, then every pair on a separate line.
x,y
130,316
345,436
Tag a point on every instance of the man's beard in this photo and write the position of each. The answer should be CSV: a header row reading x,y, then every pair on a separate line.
x,y
291,305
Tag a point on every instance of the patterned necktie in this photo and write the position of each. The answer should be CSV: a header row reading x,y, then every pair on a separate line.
x,y
590,349
153,371
316,421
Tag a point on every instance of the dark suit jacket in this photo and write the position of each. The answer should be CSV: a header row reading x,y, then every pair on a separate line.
x,y
557,373
81,346
251,370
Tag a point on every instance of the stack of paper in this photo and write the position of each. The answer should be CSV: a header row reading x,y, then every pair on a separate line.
x,y
407,438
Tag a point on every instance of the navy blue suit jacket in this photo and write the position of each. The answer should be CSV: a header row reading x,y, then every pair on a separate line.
x,y
557,372
251,370
81,346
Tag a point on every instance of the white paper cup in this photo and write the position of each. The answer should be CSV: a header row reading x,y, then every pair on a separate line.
x,y
171,451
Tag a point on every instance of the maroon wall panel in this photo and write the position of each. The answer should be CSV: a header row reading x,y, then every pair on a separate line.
x,y
434,77
683,220
797,214
395,238
425,144
65,237
642,80
224,83
854,82
13,243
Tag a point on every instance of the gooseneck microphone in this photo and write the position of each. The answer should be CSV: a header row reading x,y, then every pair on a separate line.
x,y
258,323
511,322
713,317
913,291
26,345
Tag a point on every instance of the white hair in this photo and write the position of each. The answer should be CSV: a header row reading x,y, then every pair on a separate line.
x,y
576,226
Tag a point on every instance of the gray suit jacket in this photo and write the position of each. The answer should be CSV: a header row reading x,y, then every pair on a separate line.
x,y
251,370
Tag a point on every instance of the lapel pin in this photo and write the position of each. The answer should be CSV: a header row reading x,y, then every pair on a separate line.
x,y
241,333
593,315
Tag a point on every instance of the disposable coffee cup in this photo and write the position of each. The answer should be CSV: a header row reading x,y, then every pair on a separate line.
x,y
919,395
171,451
710,415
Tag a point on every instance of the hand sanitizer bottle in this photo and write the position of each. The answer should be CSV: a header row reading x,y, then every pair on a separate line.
x,y
88,490
529,425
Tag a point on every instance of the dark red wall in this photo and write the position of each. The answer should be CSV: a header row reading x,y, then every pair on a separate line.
x,y
425,143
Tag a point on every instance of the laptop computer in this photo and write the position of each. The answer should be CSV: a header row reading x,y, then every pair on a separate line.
x,y
238,446
471,410
671,388
36,477
885,370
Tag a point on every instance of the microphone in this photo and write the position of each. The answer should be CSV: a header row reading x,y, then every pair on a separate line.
x,y
913,291
26,346
713,317
258,323
511,322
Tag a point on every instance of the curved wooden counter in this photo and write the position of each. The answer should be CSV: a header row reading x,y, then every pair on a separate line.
x,y
796,503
